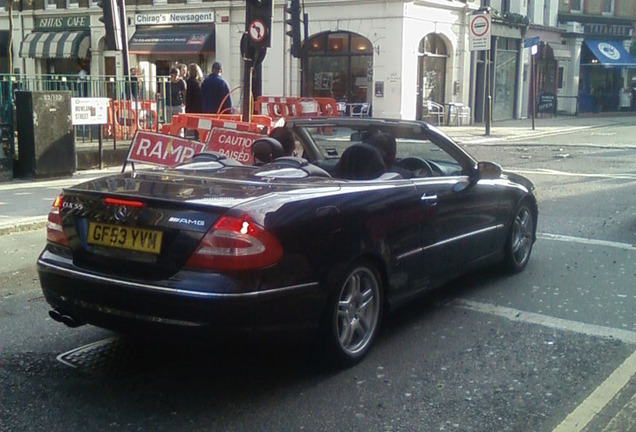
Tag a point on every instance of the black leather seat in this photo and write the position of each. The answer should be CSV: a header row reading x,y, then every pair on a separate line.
x,y
265,150
360,162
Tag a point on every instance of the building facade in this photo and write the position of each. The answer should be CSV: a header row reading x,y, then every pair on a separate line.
x,y
388,56
599,35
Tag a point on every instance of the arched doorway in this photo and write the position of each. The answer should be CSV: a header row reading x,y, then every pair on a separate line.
x,y
431,72
338,65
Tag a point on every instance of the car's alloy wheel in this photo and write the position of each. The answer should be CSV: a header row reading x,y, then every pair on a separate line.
x,y
519,245
354,314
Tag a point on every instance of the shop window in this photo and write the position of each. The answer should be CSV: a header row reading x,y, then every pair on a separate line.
x,y
3,6
433,44
361,44
560,77
338,65
316,44
338,42
432,77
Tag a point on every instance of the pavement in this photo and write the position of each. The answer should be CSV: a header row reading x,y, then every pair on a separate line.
x,y
24,204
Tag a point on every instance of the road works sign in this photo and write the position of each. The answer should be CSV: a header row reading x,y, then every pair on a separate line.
x,y
480,29
160,149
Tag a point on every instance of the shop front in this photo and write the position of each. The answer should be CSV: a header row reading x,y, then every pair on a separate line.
x,y
498,74
59,46
505,78
163,40
603,76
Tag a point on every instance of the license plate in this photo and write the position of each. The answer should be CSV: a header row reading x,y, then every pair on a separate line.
x,y
131,238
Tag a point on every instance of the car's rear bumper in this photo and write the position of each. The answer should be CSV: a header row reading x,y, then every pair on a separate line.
x,y
126,305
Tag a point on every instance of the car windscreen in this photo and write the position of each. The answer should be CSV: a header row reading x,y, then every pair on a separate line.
x,y
332,140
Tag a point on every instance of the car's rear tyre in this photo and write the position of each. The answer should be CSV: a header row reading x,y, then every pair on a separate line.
x,y
353,314
520,239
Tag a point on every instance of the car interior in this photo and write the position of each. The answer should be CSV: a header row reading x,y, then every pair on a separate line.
x,y
344,153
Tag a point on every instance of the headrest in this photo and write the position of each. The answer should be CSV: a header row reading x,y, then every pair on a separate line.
x,y
265,150
360,162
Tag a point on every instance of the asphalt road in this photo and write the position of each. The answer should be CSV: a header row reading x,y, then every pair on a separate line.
x,y
551,349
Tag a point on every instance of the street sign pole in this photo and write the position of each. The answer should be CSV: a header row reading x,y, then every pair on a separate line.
x,y
532,43
488,95
480,31
534,88
248,70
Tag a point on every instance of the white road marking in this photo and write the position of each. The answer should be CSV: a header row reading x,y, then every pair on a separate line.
x,y
578,419
621,176
581,240
548,321
600,397
625,419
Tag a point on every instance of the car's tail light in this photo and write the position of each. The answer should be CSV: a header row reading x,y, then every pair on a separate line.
x,y
236,243
123,202
54,229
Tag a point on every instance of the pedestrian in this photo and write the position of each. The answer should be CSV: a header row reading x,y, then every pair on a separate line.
x,y
82,80
387,146
176,90
134,85
215,94
286,138
193,92
183,71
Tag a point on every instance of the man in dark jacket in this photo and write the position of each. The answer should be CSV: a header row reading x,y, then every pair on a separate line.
x,y
214,91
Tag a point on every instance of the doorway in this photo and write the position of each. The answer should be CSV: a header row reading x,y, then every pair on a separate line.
x,y
431,72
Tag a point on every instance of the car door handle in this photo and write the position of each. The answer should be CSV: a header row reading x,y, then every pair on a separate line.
x,y
429,199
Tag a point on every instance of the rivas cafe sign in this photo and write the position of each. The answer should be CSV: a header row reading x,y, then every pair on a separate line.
x,y
63,23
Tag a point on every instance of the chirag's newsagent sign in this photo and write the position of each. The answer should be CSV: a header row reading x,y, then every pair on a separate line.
x,y
174,18
63,23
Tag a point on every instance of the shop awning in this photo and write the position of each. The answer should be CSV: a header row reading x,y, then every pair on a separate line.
x,y
64,44
173,40
610,54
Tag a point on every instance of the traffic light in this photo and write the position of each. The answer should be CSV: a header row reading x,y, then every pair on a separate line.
x,y
259,22
111,20
293,20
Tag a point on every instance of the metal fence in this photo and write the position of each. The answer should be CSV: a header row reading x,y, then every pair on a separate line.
x,y
134,104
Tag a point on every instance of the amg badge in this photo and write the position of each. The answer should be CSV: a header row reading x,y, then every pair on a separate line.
x,y
186,221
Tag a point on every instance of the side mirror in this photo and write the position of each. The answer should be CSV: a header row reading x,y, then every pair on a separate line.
x,y
488,170
482,171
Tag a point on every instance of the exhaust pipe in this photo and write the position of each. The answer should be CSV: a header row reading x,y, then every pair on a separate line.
x,y
55,315
65,319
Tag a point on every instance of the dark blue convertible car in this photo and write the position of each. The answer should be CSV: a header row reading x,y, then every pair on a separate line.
x,y
362,216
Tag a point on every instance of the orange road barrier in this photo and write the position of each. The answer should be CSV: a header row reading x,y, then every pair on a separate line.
x,y
130,116
286,107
